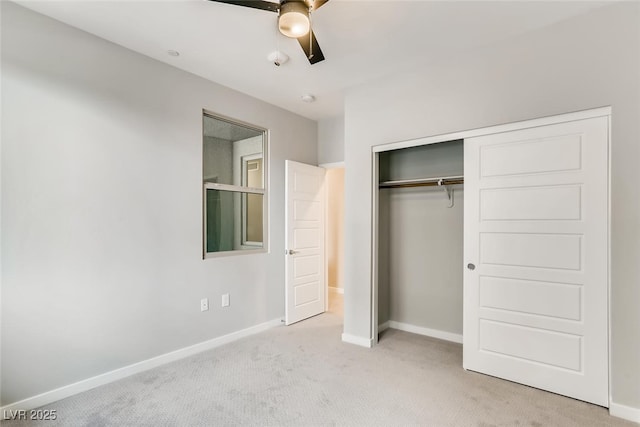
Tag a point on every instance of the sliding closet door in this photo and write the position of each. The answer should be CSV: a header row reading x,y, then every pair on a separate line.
x,y
536,236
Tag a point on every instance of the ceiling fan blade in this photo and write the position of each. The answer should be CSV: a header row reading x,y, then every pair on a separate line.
x,y
315,4
255,4
313,55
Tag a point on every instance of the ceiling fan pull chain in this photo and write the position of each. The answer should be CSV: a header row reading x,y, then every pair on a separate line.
x,y
277,37
310,36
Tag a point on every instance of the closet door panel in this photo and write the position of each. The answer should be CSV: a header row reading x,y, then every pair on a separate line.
x,y
536,286
530,156
531,203
538,250
561,300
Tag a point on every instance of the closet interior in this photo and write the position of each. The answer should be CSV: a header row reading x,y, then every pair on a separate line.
x,y
420,239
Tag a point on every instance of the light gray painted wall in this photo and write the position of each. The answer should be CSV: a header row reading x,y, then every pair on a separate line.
x,y
102,208
331,140
420,241
589,61
425,258
425,161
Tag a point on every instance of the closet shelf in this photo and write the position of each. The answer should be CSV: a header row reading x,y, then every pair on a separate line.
x,y
423,182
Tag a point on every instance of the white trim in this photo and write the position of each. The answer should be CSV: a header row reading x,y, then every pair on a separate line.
x,y
117,374
624,412
609,231
489,130
433,333
384,326
334,165
375,208
352,339
336,290
235,252
233,188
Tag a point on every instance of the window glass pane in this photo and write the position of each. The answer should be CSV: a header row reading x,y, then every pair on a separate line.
x,y
227,148
233,220
234,178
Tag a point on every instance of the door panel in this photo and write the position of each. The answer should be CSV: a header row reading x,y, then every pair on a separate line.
x,y
541,250
532,156
531,203
304,260
536,224
532,297
506,340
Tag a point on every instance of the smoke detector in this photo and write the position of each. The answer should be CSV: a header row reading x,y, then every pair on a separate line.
x,y
278,58
308,98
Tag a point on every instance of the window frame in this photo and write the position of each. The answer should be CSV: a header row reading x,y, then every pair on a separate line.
x,y
246,250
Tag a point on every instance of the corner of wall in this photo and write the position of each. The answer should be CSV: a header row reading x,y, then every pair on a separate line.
x,y
331,140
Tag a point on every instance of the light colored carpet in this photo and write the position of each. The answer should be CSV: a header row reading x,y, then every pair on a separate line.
x,y
304,375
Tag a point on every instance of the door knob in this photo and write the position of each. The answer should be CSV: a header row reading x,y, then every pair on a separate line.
x,y
471,266
291,252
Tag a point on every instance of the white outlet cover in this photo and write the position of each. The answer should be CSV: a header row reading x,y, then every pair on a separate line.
x,y
204,304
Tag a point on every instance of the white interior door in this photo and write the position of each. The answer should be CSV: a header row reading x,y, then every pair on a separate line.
x,y
304,259
536,231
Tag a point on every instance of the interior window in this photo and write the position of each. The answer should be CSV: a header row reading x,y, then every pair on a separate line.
x,y
234,163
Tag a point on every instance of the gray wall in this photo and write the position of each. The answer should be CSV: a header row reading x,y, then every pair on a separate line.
x,y
424,248
331,140
420,244
102,208
589,61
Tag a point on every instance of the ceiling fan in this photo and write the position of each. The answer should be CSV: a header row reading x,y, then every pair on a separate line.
x,y
293,21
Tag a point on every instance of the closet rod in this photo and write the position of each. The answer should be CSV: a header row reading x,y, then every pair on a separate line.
x,y
425,182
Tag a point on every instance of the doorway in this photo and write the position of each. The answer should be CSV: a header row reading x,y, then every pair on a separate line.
x,y
420,240
334,240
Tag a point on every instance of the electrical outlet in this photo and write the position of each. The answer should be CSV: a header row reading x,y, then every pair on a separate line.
x,y
225,300
204,304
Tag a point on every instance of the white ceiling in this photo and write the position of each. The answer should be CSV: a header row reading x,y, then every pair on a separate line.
x,y
361,40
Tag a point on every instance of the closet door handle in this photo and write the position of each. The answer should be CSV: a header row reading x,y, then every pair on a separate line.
x,y
471,266
291,252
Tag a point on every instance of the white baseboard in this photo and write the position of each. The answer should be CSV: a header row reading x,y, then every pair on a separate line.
x,y
434,333
384,326
117,374
336,289
362,342
625,412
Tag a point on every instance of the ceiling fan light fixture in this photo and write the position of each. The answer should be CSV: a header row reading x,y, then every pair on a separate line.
x,y
294,19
